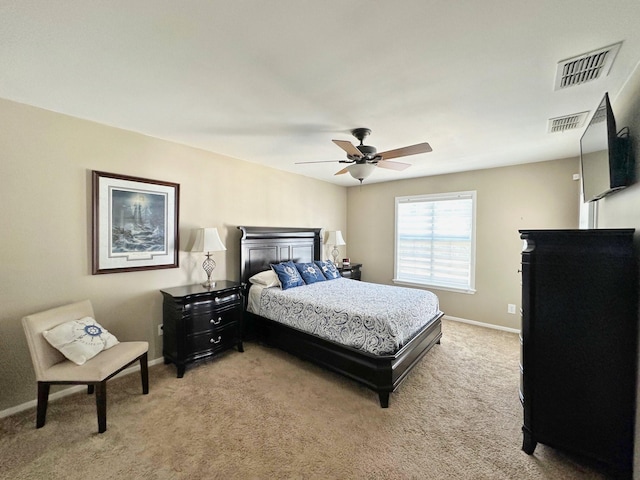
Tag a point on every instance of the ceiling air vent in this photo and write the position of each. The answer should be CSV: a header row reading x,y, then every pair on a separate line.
x,y
568,122
584,68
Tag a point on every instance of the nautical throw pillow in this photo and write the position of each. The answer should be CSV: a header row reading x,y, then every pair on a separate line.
x,y
310,272
328,269
288,275
80,340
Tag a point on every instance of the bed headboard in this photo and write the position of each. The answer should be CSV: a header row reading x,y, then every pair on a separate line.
x,y
261,246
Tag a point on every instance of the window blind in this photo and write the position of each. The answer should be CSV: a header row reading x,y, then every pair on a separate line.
x,y
435,240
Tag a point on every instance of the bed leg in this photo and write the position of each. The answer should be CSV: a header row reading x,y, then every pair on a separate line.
x,y
528,442
384,399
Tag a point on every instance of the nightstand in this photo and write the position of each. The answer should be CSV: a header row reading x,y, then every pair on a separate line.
x,y
352,271
200,322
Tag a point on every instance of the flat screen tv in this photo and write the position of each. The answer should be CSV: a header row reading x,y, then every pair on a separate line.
x,y
605,157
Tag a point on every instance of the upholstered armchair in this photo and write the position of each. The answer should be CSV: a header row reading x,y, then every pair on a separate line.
x,y
53,367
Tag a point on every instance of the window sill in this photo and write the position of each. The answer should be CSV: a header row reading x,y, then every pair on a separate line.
x,y
468,291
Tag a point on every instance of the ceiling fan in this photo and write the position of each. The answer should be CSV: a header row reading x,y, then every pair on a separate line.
x,y
364,158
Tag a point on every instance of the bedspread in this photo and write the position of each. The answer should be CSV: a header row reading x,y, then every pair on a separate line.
x,y
375,318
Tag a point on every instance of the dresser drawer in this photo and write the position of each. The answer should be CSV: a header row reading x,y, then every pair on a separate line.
x,y
521,370
521,392
212,319
205,343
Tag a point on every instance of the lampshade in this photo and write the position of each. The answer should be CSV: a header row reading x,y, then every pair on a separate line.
x,y
360,171
208,240
335,238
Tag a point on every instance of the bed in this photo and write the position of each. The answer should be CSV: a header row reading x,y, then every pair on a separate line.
x,y
382,372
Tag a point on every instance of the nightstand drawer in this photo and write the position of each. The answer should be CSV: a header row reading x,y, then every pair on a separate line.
x,y
212,319
205,305
205,343
227,299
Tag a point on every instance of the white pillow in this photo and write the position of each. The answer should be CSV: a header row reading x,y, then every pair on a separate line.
x,y
80,340
268,278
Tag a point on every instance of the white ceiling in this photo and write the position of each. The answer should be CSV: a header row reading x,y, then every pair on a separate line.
x,y
273,82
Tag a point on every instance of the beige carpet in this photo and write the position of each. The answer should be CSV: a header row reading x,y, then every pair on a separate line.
x,y
266,414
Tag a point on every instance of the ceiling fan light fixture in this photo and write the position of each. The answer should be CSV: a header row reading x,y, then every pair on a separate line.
x,y
360,171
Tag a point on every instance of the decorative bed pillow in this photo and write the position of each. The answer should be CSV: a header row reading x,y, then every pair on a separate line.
x,y
310,272
80,340
268,278
288,275
328,269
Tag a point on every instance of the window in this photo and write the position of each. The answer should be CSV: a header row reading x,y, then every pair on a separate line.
x,y
435,241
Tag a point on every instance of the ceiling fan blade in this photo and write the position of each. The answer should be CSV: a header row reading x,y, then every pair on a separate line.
x,y
404,151
393,165
321,161
344,170
348,147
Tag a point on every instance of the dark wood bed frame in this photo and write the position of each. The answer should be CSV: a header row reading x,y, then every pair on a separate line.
x,y
261,246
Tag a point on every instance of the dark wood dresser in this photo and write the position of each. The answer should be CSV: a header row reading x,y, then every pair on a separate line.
x,y
199,323
579,343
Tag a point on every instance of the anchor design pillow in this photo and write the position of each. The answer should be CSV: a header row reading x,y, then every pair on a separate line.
x,y
288,275
310,272
80,340
328,269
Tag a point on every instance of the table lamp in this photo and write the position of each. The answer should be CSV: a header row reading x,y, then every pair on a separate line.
x,y
208,240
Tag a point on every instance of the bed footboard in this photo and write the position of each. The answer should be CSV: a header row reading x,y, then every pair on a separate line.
x,y
381,373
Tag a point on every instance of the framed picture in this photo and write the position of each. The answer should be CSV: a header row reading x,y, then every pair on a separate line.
x,y
135,223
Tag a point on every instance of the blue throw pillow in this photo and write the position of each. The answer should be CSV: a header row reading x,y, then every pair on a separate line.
x,y
310,272
328,269
288,275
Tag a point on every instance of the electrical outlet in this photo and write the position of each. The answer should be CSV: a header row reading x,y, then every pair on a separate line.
x,y
159,330
511,308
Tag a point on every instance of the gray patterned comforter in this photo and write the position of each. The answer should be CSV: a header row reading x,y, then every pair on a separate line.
x,y
378,319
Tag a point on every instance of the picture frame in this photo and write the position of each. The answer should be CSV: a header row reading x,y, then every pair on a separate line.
x,y
135,223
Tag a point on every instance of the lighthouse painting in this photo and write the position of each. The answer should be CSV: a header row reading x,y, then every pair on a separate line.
x,y
138,221
135,223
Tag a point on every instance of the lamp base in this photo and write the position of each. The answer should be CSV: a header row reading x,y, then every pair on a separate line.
x,y
209,264
335,252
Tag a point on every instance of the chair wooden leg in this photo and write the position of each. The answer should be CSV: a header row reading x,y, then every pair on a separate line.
x,y
101,405
144,373
43,399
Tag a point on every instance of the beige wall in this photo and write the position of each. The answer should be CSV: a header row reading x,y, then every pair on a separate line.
x,y
622,209
538,195
45,173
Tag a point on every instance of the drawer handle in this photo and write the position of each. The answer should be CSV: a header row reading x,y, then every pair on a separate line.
x,y
211,340
216,322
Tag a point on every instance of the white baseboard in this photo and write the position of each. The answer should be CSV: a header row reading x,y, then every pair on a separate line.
x,y
481,324
70,390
